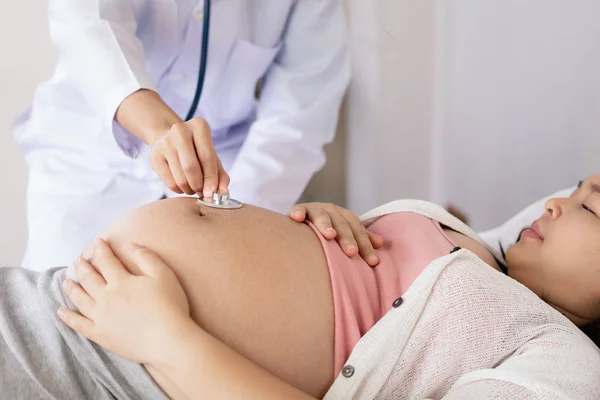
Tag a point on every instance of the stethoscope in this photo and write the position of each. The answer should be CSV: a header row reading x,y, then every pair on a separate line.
x,y
222,201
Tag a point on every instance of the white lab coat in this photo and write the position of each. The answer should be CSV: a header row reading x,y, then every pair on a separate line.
x,y
85,170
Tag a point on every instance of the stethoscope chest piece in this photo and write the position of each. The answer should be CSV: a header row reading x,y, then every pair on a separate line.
x,y
222,201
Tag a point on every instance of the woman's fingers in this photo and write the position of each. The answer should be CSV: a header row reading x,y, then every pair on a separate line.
x,y
298,212
79,297
89,279
317,214
77,322
376,240
109,265
149,263
361,236
365,247
322,219
345,236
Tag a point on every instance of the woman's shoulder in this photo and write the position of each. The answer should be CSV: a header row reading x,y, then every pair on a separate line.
x,y
473,246
462,235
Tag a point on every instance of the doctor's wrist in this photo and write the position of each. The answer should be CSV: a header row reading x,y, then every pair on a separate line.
x,y
146,116
154,134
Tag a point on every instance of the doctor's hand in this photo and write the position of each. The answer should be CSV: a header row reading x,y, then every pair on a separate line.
x,y
186,161
133,316
344,226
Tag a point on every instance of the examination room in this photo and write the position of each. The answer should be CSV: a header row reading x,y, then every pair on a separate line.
x,y
300,199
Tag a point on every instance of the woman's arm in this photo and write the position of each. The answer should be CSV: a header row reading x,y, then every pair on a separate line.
x,y
203,367
146,319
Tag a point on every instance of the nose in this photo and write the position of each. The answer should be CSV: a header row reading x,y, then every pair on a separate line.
x,y
554,207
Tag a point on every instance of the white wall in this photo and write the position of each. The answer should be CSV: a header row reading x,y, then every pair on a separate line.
x,y
27,58
521,96
390,110
485,105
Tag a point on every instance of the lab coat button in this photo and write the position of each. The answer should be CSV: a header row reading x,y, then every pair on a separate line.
x,y
398,302
348,371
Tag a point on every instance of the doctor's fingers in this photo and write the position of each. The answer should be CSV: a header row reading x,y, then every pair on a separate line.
x,y
190,165
177,172
205,149
161,167
224,179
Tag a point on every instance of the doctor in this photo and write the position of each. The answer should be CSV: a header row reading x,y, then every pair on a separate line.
x,y
109,132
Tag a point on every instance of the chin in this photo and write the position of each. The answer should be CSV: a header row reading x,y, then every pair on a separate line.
x,y
517,254
523,257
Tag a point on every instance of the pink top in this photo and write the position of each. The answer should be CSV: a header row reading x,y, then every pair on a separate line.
x,y
363,295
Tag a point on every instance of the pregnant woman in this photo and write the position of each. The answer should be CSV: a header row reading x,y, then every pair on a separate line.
x,y
250,304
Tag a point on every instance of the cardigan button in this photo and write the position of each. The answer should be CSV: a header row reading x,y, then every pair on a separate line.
x,y
348,371
398,302
454,250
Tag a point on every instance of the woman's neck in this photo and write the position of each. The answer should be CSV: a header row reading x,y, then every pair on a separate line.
x,y
576,319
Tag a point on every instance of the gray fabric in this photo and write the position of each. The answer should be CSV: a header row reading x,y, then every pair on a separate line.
x,y
40,358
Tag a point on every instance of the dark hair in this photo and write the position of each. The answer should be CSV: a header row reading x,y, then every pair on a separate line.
x,y
593,332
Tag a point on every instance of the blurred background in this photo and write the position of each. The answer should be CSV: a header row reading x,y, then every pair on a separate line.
x,y
484,106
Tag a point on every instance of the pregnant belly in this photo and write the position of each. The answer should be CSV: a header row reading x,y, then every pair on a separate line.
x,y
254,279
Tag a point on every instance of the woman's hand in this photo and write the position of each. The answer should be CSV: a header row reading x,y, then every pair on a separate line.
x,y
185,159
342,225
132,316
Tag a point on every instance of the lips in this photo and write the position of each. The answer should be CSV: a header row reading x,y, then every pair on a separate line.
x,y
535,227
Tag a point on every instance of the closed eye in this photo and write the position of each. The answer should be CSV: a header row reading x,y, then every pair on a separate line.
x,y
588,209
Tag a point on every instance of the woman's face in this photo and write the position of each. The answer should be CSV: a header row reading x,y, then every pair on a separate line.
x,y
558,257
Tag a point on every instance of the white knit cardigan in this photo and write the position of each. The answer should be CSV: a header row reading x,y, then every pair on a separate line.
x,y
466,331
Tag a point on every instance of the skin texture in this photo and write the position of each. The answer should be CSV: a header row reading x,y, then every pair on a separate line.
x,y
254,279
